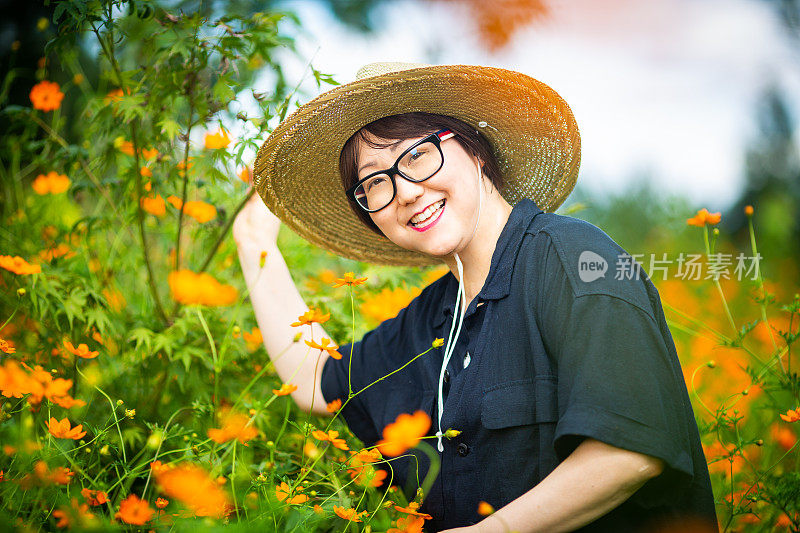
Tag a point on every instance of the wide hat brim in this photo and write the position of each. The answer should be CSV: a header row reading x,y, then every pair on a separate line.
x,y
530,127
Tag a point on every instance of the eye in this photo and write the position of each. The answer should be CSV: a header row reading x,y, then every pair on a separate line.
x,y
375,181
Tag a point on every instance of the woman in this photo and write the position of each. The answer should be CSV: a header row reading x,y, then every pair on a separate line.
x,y
562,378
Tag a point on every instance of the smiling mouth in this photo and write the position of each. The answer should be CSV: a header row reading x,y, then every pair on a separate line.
x,y
430,214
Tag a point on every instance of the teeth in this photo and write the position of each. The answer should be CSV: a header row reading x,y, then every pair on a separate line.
x,y
425,215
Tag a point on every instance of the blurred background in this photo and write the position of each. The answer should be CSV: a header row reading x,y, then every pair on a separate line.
x,y
681,104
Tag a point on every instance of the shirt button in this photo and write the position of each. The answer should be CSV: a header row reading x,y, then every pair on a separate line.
x,y
447,376
463,449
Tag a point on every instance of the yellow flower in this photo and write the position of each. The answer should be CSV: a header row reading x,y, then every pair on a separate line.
x,y
218,139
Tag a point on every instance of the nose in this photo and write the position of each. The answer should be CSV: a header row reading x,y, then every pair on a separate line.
x,y
407,191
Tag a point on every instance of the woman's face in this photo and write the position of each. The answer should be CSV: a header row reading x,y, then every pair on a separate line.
x,y
443,208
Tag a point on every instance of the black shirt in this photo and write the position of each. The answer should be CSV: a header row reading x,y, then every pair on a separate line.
x,y
554,349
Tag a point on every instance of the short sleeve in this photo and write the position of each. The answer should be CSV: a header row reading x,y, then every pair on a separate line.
x,y
618,380
334,385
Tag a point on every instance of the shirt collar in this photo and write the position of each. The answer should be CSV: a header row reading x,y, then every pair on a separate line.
x,y
498,281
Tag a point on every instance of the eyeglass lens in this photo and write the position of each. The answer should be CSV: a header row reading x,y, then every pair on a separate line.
x,y
419,164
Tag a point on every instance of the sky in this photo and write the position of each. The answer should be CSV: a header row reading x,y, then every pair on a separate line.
x,y
666,89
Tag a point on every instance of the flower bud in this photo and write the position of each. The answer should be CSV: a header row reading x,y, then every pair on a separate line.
x,y
759,442
438,343
130,413
452,433
120,402
262,259
711,364
21,292
297,337
748,210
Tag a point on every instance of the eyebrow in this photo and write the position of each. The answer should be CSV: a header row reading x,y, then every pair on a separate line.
x,y
392,148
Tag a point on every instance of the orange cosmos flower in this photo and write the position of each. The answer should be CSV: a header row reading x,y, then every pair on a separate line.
x,y
286,389
174,201
62,430
367,456
283,490
234,426
61,250
332,437
149,153
484,509
82,350
218,139
161,503
200,211
115,95
362,473
46,96
75,515
126,147
310,316
154,205
348,279
791,415
412,510
7,347
133,510
703,217
387,303
190,288
408,524
51,183
783,435
253,339
748,210
67,402
147,173
94,497
334,406
326,345
246,175
18,265
404,433
192,486
349,514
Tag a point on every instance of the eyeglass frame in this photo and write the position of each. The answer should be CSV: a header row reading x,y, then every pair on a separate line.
x,y
436,138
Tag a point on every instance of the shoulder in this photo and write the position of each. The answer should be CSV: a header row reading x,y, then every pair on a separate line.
x,y
564,251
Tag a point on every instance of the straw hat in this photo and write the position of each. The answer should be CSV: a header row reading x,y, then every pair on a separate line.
x,y
530,127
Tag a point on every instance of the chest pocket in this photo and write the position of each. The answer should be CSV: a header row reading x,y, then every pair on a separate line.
x,y
520,402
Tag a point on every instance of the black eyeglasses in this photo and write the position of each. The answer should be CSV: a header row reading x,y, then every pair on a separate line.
x,y
417,163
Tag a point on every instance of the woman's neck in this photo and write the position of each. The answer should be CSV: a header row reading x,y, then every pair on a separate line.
x,y
476,256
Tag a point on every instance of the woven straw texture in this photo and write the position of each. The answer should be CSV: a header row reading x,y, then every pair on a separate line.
x,y
530,127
